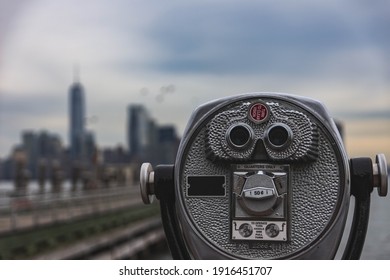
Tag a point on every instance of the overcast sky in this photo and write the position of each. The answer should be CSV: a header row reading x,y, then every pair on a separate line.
x,y
192,51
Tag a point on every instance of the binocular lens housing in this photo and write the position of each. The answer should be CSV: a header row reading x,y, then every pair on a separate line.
x,y
239,135
278,136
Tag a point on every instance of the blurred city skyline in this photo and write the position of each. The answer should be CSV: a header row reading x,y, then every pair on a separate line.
x,y
173,56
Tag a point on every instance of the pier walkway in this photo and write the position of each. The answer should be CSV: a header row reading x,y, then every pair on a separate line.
x,y
106,223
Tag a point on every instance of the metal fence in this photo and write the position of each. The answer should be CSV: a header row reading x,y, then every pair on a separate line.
x,y
29,211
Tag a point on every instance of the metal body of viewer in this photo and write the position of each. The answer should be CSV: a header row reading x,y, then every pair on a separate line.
x,y
258,176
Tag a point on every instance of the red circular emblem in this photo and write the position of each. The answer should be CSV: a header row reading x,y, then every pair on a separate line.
x,y
258,112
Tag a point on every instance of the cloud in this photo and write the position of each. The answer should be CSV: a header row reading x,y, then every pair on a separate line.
x,y
37,112
335,51
372,115
253,39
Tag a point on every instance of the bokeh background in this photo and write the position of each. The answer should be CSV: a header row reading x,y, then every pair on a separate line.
x,y
170,57
133,51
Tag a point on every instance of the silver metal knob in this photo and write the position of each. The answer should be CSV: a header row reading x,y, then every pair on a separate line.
x,y
380,174
147,183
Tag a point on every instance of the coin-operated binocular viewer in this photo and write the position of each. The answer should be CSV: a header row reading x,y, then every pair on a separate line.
x,y
263,176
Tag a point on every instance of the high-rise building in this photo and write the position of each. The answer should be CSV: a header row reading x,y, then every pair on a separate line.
x,y
168,143
90,146
76,121
147,141
139,127
30,145
38,146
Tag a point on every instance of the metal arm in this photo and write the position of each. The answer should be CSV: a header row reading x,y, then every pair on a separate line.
x,y
160,183
364,177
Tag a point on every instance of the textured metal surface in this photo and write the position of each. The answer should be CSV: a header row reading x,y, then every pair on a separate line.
x,y
304,145
315,180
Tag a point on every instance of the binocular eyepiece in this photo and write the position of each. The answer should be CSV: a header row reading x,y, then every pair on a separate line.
x,y
263,176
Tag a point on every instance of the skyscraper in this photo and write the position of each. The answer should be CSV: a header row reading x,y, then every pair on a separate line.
x,y
77,118
147,140
139,126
